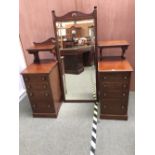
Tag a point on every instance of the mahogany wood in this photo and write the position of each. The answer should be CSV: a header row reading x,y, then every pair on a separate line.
x,y
43,88
47,45
114,80
123,44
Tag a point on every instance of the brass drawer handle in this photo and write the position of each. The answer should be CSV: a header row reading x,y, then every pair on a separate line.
x,y
46,94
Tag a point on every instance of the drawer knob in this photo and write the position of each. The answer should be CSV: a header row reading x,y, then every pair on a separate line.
x,y
124,94
46,94
33,105
123,107
44,86
104,85
125,77
43,78
104,106
104,77
104,94
124,86
26,79
49,106
29,86
31,94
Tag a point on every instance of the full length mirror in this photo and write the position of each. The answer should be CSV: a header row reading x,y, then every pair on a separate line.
x,y
76,39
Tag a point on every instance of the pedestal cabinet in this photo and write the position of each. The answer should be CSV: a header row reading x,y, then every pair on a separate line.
x,y
42,82
114,81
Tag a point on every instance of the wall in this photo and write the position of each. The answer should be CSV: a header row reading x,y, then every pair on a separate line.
x,y
115,21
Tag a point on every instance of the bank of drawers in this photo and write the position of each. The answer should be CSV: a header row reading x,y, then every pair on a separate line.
x,y
39,92
114,91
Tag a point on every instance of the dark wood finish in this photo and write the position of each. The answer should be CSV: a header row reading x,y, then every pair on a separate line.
x,y
75,16
47,45
42,83
76,58
123,44
114,81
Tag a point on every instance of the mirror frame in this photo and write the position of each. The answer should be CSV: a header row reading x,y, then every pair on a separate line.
x,y
75,16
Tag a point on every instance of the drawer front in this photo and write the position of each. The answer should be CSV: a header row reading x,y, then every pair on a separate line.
x,y
42,107
112,94
37,86
114,87
36,78
115,107
39,96
114,77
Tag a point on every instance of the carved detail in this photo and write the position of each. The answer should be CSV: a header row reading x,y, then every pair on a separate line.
x,y
75,15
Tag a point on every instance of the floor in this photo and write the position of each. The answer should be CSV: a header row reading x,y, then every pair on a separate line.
x,y
70,133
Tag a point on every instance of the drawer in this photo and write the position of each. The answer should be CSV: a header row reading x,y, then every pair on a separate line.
x,y
114,87
115,107
42,107
43,96
36,78
114,94
114,77
37,86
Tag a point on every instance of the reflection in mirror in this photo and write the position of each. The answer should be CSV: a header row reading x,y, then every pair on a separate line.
x,y
77,46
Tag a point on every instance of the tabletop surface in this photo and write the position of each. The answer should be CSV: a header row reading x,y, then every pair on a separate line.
x,y
112,64
45,66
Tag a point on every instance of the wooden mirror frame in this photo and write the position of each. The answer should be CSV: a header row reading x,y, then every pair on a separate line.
x,y
75,16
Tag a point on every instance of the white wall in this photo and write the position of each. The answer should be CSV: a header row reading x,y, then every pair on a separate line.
x,y
22,66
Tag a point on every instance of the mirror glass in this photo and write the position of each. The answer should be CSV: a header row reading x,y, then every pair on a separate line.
x,y
77,50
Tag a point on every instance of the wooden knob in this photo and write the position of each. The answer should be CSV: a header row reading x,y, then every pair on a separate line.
x,y
26,79
104,106
31,94
44,86
49,106
104,77
124,94
46,94
123,107
124,86
105,94
29,86
104,85
43,78
125,77
33,105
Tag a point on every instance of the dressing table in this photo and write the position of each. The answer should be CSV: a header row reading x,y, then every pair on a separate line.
x,y
76,70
